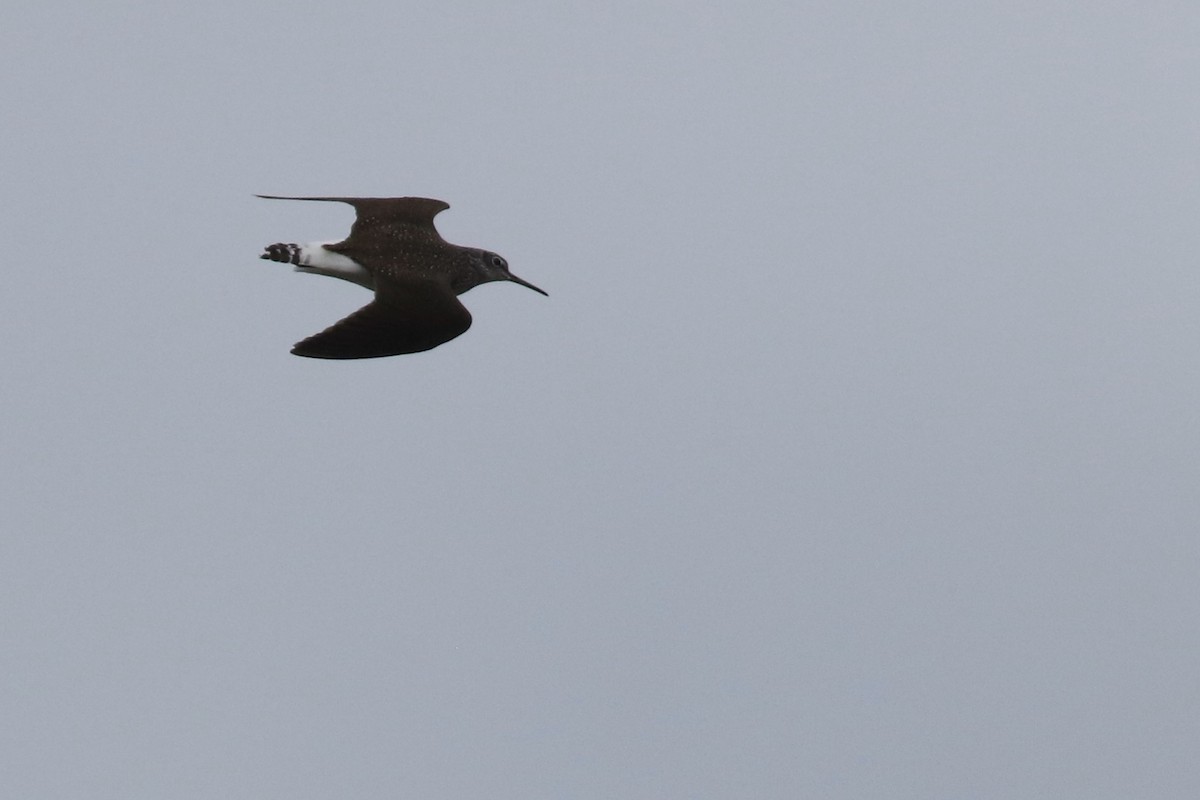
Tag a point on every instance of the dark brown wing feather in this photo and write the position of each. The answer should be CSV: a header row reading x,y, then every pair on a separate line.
x,y
382,221
406,317
418,210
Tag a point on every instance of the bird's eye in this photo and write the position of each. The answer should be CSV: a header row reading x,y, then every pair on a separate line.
x,y
498,262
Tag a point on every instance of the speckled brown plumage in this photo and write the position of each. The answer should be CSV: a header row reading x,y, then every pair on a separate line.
x,y
415,273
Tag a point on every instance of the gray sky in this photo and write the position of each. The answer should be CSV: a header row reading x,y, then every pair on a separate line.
x,y
854,453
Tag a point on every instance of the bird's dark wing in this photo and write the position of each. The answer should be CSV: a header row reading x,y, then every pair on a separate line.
x,y
384,219
406,317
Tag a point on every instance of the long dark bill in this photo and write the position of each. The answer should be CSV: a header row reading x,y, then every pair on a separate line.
x,y
526,284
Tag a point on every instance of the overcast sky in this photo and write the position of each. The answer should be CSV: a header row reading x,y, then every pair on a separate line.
x,y
853,454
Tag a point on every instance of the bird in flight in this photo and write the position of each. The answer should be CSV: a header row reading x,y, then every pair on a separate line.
x,y
395,251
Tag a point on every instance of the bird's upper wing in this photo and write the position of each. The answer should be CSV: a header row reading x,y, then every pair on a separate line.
x,y
380,220
407,316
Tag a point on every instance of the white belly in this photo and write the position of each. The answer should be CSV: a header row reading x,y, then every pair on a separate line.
x,y
315,259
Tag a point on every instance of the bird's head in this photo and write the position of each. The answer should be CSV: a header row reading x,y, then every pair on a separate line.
x,y
490,266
